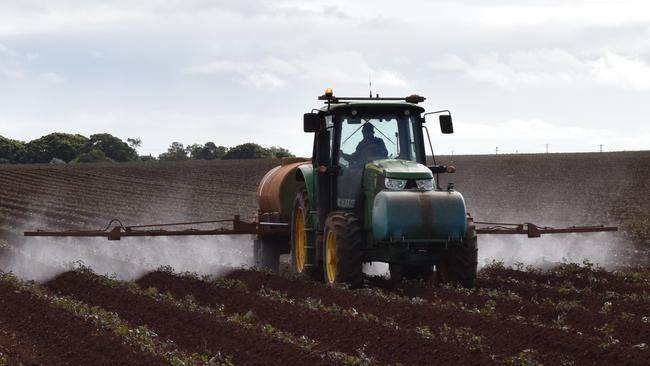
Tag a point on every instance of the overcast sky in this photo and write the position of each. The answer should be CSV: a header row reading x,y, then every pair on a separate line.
x,y
515,74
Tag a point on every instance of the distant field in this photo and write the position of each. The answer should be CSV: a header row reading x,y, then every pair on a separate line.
x,y
552,189
77,196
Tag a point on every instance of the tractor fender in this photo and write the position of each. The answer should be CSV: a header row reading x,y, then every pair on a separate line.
x,y
417,215
305,173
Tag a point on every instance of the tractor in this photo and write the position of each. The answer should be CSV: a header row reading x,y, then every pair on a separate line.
x,y
367,195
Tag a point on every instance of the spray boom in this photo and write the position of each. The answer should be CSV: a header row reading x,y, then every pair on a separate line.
x,y
115,230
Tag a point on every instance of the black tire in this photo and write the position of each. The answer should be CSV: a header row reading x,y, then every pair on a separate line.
x,y
410,272
347,265
462,261
266,252
301,266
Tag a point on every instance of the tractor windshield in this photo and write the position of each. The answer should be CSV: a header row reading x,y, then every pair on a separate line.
x,y
367,138
364,138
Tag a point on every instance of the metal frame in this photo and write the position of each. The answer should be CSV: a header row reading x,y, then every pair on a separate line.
x,y
534,231
119,231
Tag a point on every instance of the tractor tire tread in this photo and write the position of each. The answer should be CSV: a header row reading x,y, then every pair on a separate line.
x,y
302,200
349,248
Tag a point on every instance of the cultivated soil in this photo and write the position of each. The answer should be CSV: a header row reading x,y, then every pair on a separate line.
x,y
564,314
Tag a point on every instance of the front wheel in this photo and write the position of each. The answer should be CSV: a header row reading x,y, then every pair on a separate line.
x,y
343,249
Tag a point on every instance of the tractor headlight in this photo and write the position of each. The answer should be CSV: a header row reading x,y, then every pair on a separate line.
x,y
395,184
425,184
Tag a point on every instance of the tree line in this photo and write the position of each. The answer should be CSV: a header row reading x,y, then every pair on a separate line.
x,y
103,147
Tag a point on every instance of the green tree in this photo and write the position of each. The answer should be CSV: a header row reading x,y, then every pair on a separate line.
x,y
195,151
209,151
92,156
11,150
111,146
134,143
175,152
280,152
247,151
147,158
64,146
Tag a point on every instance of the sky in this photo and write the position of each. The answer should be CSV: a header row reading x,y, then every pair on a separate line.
x,y
518,76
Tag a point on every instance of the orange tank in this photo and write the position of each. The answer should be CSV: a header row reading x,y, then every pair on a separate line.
x,y
278,188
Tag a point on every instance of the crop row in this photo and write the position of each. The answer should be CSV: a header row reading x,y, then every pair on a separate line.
x,y
586,310
505,333
46,329
377,335
199,328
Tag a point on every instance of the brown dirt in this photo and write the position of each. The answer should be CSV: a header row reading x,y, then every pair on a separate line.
x,y
88,195
194,332
334,332
37,334
502,334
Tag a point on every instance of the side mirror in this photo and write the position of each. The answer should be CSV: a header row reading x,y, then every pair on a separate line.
x,y
311,122
445,124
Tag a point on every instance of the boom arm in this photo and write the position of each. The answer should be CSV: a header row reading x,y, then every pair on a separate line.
x,y
534,231
115,230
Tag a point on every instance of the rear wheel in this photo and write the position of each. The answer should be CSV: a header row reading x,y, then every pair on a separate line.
x,y
299,243
343,249
462,260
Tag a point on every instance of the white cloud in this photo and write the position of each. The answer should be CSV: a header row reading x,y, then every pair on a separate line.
x,y
69,20
51,77
263,79
332,68
9,66
12,67
549,67
267,72
4,50
616,70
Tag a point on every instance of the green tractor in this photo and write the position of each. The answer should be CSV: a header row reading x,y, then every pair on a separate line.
x,y
367,195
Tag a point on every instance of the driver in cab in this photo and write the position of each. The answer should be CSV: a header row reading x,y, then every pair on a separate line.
x,y
369,148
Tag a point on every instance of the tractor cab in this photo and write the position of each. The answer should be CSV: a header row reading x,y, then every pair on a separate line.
x,y
383,135
363,134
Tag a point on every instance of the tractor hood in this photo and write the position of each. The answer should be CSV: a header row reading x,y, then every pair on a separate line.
x,y
400,169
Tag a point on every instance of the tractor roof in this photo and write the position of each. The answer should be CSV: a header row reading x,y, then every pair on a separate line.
x,y
378,105
333,103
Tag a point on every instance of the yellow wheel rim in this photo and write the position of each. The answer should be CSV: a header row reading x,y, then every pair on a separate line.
x,y
300,239
330,257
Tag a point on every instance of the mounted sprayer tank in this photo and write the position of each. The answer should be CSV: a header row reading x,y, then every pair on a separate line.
x,y
277,189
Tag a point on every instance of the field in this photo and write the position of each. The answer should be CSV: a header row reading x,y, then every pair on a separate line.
x,y
563,314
